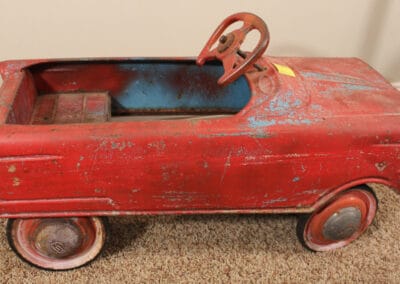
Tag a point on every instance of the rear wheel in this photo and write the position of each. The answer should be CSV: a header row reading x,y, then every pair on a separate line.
x,y
57,243
339,222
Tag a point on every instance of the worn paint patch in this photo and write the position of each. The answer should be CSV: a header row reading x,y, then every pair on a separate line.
x,y
78,164
381,166
234,134
16,181
295,121
12,169
226,166
99,190
315,107
280,104
23,158
309,192
255,123
167,171
283,103
180,196
121,145
353,87
159,145
117,145
273,201
255,134
334,78
345,89
295,179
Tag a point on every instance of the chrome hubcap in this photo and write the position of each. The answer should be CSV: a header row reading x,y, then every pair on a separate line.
x,y
58,239
343,224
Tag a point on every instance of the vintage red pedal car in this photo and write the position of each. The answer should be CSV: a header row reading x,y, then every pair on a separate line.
x,y
83,139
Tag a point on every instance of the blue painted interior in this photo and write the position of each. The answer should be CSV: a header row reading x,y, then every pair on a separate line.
x,y
179,87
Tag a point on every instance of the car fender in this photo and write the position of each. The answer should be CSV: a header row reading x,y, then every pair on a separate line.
x,y
360,182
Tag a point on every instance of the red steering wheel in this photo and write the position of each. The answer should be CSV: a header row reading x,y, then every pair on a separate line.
x,y
235,62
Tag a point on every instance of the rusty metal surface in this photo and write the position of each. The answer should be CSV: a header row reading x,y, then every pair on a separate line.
x,y
71,108
57,238
228,49
278,154
342,224
341,221
291,124
59,243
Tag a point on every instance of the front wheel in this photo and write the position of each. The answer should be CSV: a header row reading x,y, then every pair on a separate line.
x,y
57,243
339,222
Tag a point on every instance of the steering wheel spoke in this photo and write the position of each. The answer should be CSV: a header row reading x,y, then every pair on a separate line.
x,y
206,55
246,28
229,44
229,62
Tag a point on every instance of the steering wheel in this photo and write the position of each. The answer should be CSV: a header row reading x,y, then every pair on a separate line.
x,y
228,51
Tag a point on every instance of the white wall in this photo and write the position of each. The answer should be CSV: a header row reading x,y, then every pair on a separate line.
x,y
90,28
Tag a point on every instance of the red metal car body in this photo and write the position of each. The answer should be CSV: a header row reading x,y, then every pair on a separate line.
x,y
300,138
73,143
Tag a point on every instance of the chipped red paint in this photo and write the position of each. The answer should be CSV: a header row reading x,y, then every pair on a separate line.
x,y
57,244
134,136
313,128
229,46
279,154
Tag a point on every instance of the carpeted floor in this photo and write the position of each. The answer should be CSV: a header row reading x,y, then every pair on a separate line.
x,y
226,248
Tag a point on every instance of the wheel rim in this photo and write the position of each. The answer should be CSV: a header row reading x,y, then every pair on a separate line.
x,y
340,222
58,243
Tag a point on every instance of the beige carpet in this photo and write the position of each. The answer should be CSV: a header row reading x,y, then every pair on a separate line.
x,y
226,248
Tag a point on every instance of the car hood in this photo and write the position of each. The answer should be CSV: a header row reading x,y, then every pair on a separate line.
x,y
304,87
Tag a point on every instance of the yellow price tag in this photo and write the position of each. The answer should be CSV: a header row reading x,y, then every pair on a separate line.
x,y
285,70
